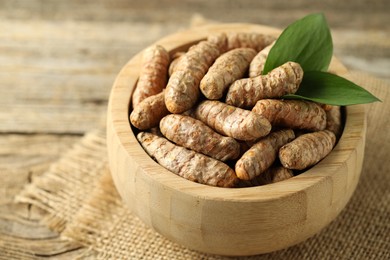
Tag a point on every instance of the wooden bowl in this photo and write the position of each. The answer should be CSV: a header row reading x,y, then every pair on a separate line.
x,y
229,221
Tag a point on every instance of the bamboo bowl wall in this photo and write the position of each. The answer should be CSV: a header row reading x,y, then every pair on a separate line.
x,y
229,221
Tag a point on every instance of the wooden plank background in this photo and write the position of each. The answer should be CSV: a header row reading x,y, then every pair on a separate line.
x,y
58,60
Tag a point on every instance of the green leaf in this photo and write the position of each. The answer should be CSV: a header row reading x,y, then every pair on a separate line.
x,y
327,88
307,41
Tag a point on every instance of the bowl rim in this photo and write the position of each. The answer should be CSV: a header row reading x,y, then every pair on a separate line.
x,y
118,115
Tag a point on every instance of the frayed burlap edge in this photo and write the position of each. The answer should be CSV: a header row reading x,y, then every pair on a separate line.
x,y
62,190
83,204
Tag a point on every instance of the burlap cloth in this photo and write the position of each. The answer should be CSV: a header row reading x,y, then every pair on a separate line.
x,y
82,203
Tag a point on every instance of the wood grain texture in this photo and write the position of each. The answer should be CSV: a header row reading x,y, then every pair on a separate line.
x,y
211,219
22,158
59,59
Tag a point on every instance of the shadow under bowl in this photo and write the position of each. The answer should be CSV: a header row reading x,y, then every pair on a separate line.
x,y
229,221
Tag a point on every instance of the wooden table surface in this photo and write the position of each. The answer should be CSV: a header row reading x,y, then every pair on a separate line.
x,y
58,60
